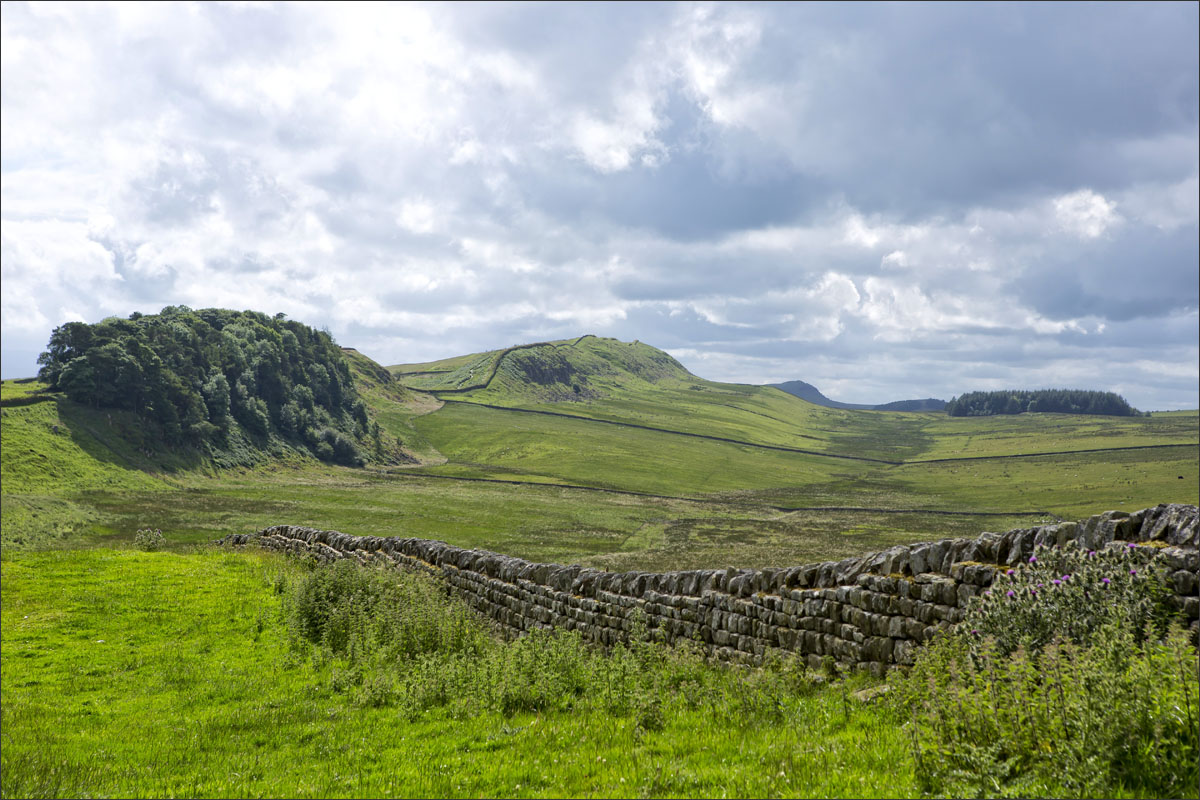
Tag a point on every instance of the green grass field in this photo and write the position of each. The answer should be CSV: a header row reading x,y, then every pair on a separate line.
x,y
625,384
172,674
592,491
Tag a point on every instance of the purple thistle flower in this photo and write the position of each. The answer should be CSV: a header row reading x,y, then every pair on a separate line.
x,y
1041,585
1133,572
1033,559
1056,582
1011,593
1066,577
1105,581
1009,572
1132,545
1091,553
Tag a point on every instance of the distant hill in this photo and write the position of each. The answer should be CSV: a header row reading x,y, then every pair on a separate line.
x,y
806,391
585,368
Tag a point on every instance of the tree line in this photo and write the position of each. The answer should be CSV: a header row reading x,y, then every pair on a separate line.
x,y
209,376
1061,401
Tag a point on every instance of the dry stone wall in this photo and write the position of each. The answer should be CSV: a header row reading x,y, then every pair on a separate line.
x,y
869,612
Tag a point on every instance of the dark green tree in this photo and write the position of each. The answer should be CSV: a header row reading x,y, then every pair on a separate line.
x,y
202,375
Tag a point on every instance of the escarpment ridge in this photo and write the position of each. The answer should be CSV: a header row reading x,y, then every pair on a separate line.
x,y
868,612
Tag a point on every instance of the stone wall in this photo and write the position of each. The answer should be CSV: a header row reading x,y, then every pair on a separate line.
x,y
868,612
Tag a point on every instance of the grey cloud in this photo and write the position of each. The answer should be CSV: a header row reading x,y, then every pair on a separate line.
x,y
255,148
940,106
1142,272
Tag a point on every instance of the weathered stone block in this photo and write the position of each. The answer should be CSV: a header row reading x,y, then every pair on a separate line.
x,y
1184,582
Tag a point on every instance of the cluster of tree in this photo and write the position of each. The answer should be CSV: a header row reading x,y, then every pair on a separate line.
x,y
202,375
1062,401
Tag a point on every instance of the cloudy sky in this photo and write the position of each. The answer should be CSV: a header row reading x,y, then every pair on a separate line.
x,y
888,201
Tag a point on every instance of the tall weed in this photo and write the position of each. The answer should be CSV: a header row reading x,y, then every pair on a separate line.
x,y
369,614
1065,686
396,639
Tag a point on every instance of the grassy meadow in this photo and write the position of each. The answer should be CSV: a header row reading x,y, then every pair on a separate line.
x,y
763,478
209,673
181,672
189,657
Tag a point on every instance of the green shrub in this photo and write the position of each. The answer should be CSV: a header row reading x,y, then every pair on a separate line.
x,y
149,540
1069,593
1108,719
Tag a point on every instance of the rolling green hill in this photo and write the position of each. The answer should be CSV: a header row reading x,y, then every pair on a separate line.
x,y
645,466
635,384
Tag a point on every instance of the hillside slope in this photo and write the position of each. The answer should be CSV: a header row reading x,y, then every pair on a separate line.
x,y
647,466
585,368
64,464
631,383
607,414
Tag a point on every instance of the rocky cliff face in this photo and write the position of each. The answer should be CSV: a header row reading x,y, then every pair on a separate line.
x,y
869,612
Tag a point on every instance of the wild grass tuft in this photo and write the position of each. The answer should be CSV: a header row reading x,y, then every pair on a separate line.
x,y
398,640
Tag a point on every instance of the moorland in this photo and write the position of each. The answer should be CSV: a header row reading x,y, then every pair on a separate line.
x,y
186,671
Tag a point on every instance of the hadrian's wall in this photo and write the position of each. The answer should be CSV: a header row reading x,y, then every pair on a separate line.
x,y
869,612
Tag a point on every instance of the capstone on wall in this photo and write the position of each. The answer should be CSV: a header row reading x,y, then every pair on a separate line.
x,y
869,612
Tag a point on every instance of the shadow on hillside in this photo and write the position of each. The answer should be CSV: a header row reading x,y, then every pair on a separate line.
x,y
121,438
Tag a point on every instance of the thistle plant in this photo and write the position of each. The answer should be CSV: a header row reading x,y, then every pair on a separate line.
x,y
1069,593
1065,679
149,539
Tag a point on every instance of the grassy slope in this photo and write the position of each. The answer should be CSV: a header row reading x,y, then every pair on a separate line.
x,y
504,444
169,674
632,383
1071,486
82,499
972,437
55,452
88,482
393,406
136,674
618,387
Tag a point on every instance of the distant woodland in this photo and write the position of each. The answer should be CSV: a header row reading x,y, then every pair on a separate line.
x,y
1062,401
215,378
